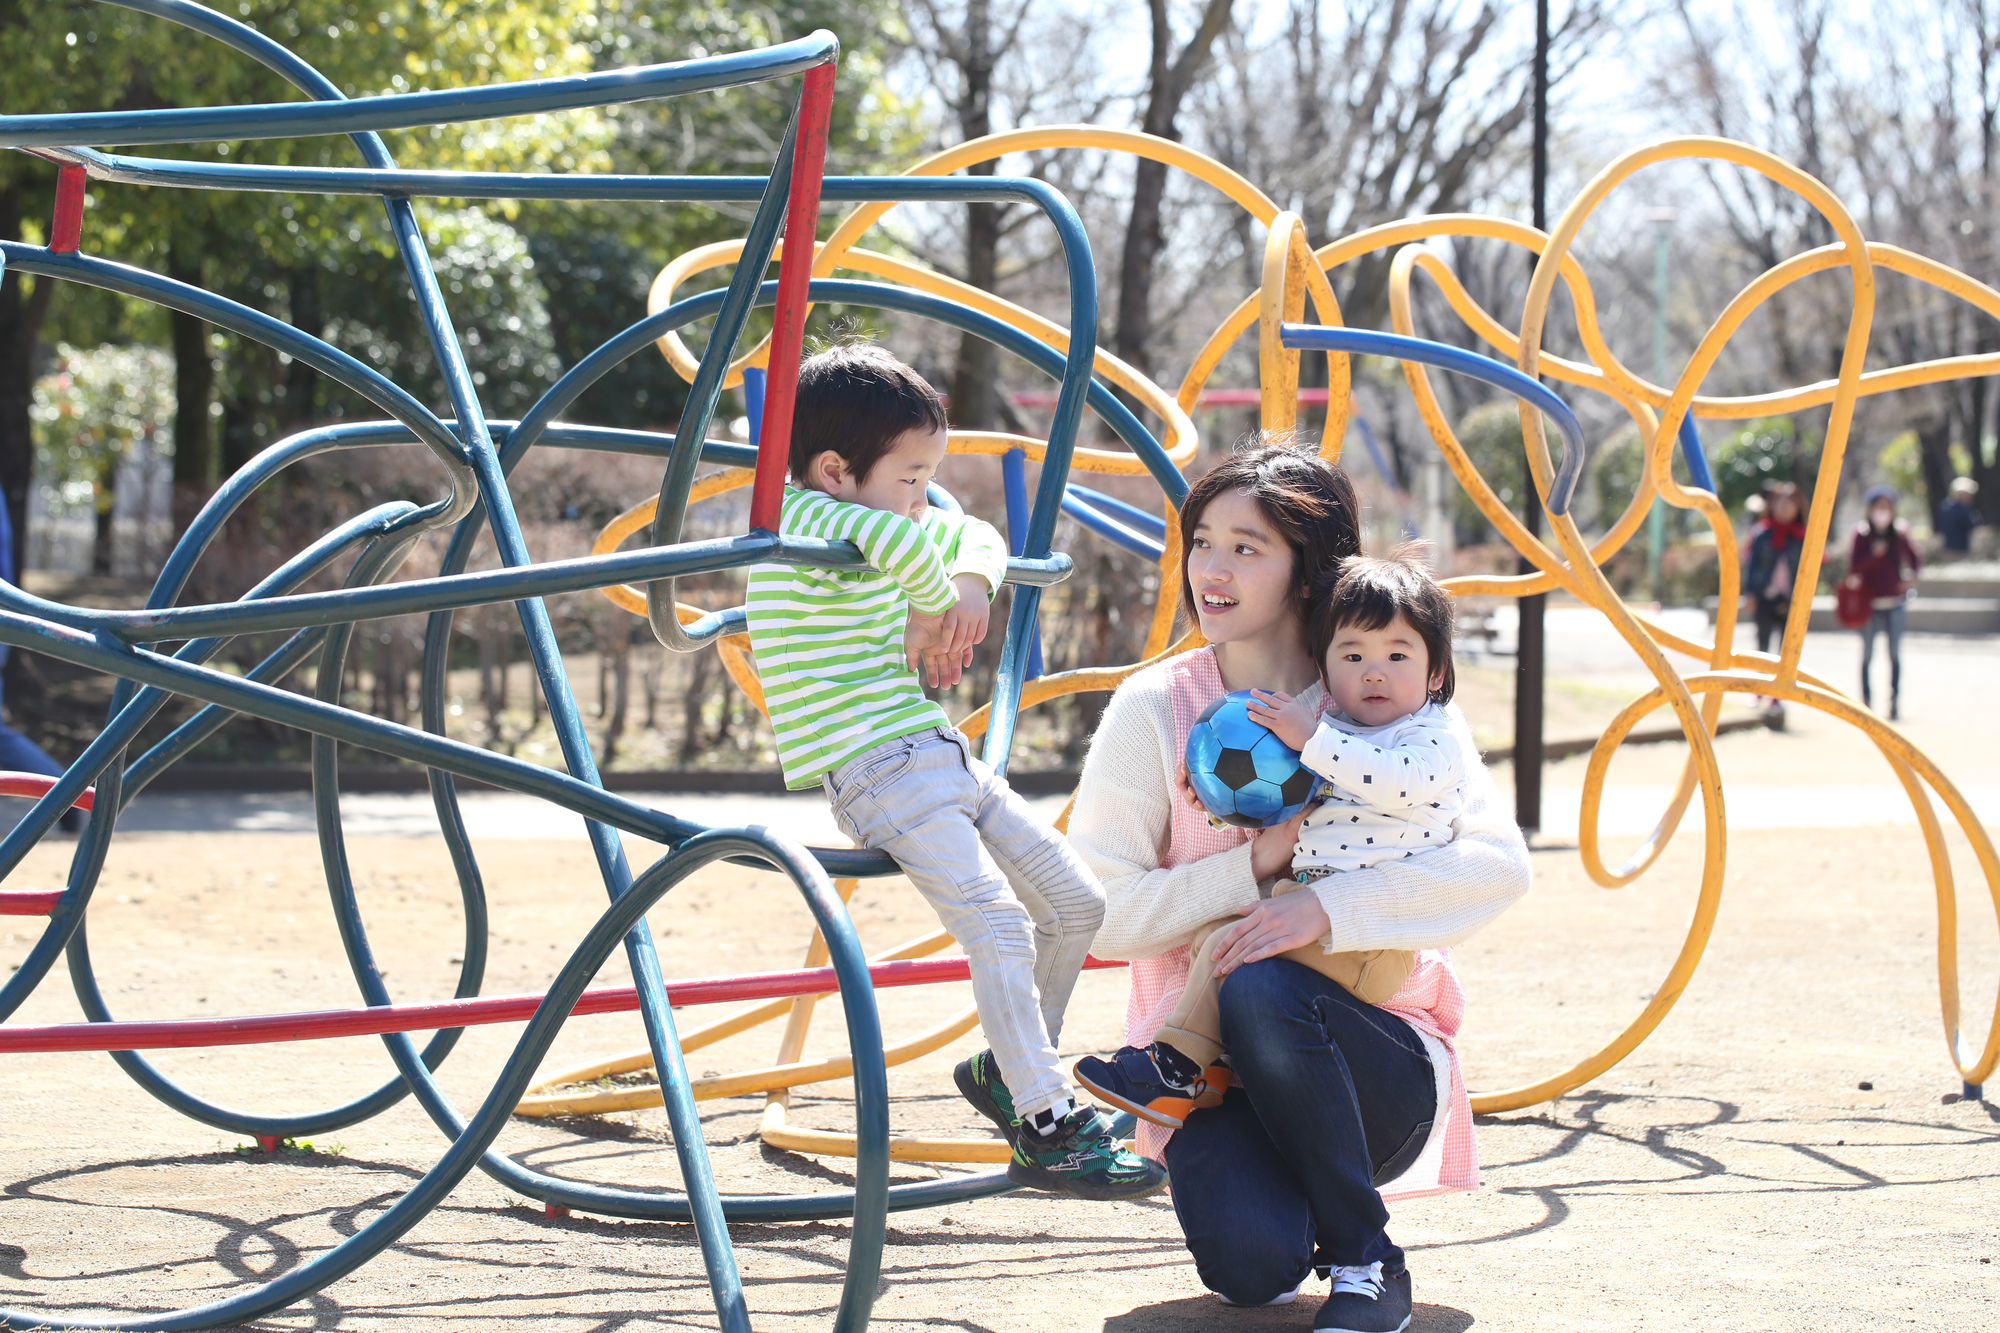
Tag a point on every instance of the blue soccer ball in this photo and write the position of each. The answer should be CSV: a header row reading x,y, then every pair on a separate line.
x,y
1242,773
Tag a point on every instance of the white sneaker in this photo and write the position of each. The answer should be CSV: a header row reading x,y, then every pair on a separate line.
x,y
1282,1298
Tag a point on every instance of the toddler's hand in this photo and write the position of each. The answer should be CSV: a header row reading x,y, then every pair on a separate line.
x,y
1289,720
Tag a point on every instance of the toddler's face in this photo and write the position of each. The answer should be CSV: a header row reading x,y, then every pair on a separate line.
x,y
1376,676
896,482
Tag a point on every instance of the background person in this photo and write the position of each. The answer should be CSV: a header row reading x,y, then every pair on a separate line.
x,y
1883,562
1957,518
1291,1171
1771,571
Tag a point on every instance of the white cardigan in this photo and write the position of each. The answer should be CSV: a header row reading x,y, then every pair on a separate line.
x,y
1124,813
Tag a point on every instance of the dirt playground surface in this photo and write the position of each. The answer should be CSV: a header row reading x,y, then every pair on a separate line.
x,y
1788,1151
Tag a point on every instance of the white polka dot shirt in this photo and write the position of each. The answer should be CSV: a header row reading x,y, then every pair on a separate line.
x,y
1386,793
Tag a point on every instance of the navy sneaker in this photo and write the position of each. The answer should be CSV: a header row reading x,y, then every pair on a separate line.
x,y
1082,1159
979,1082
1138,1080
1365,1300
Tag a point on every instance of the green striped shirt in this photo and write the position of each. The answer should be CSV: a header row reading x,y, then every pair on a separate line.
x,y
829,642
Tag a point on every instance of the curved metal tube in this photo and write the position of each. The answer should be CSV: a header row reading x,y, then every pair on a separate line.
x,y
1498,373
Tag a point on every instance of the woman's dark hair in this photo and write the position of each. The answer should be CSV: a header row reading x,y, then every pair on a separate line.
x,y
1373,592
1307,499
856,399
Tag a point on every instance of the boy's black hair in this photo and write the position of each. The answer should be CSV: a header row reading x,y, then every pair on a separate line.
x,y
1373,592
856,399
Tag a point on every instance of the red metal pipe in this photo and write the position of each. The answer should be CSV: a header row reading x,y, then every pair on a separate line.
x,y
66,229
28,902
788,320
428,1017
37,785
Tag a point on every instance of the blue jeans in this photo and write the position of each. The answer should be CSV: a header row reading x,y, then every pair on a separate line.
x,y
1330,1094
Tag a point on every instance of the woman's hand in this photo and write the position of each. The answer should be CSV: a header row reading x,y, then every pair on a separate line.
x,y
1271,849
1270,928
1288,719
1186,788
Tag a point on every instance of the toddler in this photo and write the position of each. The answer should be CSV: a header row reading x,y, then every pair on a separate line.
x,y
1392,784
836,651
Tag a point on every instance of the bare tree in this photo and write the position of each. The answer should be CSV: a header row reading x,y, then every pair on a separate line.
x,y
1170,78
1904,132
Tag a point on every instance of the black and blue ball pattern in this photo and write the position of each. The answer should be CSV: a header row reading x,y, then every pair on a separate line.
x,y
1242,774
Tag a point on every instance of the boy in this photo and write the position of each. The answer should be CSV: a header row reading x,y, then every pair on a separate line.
x,y
1392,785
836,651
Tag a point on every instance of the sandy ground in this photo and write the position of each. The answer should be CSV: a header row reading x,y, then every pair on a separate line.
x,y
1788,1151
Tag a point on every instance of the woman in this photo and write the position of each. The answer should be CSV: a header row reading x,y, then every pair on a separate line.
x,y
1332,1097
1885,563
1773,568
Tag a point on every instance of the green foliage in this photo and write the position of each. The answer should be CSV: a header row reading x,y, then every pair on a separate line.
x,y
1616,467
557,279
488,279
91,410
1901,464
1491,436
1761,451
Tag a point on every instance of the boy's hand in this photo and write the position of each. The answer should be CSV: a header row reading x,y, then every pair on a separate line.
x,y
965,623
921,634
1289,720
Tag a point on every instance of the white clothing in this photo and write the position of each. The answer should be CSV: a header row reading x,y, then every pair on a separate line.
x,y
1123,819
1385,793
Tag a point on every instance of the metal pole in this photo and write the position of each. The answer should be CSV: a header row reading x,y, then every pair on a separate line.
x,y
1529,663
1656,518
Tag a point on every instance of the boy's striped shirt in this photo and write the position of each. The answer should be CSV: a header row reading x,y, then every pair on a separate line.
x,y
829,642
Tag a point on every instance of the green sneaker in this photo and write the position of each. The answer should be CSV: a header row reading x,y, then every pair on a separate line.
x,y
1083,1160
979,1082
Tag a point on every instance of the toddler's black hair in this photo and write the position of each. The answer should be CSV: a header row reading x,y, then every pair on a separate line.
x,y
1374,591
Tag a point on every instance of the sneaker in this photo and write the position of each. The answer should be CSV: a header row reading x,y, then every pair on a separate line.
x,y
1083,1160
1133,1080
1364,1300
978,1081
1282,1298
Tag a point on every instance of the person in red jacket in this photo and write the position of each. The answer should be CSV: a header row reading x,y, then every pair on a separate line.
x,y
1884,562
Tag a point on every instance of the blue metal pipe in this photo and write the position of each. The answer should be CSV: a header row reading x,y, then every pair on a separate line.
x,y
1569,470
1109,528
475,1140
405,111
1691,453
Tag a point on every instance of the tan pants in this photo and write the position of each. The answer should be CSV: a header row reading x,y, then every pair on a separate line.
x,y
1195,1027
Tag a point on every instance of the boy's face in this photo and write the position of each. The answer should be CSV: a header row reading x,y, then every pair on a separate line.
x,y
1376,676
896,482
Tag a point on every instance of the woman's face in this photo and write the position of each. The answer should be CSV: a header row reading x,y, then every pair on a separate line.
x,y
1882,514
1784,509
1240,569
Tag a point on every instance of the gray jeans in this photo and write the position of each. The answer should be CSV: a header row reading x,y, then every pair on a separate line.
x,y
1889,621
1006,885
